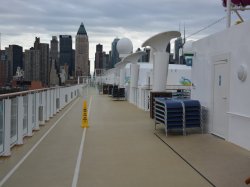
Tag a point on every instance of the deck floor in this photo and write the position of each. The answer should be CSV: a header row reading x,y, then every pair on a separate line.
x,y
121,149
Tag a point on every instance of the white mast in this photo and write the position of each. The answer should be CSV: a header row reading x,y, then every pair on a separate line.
x,y
229,9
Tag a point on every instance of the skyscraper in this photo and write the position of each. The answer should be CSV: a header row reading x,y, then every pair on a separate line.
x,y
3,67
114,53
66,53
32,65
45,65
110,61
178,46
15,59
54,54
44,60
144,57
82,53
54,77
98,58
105,60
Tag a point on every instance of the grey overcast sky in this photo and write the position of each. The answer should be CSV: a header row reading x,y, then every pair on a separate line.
x,y
22,20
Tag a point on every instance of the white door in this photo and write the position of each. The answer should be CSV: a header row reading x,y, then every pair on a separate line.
x,y
221,98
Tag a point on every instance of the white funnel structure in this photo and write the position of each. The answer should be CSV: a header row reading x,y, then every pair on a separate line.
x,y
120,69
159,44
134,71
132,58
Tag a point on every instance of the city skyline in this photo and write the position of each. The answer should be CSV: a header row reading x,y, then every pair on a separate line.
x,y
135,19
43,64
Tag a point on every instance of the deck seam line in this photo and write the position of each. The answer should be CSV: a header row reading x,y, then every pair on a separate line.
x,y
184,160
80,153
11,172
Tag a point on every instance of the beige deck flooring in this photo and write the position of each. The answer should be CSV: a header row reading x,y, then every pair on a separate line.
x,y
223,163
120,150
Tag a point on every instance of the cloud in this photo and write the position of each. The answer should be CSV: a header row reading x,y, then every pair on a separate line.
x,y
105,19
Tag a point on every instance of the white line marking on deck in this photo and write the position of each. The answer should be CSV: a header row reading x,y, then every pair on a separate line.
x,y
34,147
80,153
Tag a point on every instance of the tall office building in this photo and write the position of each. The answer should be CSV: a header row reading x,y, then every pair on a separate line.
x,y
105,60
32,65
54,77
45,64
114,53
102,60
144,57
66,53
15,59
44,60
98,59
54,53
178,46
3,67
110,61
82,67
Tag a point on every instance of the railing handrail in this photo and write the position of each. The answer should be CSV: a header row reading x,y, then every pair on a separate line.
x,y
30,91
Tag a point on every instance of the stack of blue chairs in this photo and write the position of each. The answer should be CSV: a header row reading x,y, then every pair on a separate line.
x,y
110,89
174,114
118,93
192,113
177,114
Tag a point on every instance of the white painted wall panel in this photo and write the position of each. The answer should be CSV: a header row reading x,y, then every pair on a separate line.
x,y
236,43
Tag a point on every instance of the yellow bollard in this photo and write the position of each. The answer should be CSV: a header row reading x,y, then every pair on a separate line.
x,y
85,123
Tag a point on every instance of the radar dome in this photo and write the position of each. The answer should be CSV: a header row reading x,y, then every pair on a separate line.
x,y
124,47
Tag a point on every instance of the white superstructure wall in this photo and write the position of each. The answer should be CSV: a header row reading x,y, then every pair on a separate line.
x,y
231,47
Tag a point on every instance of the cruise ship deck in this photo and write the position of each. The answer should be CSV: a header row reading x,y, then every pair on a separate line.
x,y
120,148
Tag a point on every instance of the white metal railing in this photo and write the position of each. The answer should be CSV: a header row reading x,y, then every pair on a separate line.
x,y
23,112
141,94
1,127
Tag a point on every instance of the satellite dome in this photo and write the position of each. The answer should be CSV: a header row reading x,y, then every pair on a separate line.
x,y
124,47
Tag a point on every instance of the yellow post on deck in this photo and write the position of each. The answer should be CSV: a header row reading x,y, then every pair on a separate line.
x,y
85,122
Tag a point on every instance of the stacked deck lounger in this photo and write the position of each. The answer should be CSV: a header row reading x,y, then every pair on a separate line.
x,y
110,89
178,114
105,89
118,93
192,113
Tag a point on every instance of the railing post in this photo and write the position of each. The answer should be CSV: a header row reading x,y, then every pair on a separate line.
x,y
47,104
30,115
7,140
50,103
20,116
61,98
58,100
37,111
43,104
54,101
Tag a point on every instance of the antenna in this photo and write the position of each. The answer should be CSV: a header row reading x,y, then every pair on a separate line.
x,y
184,33
183,42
